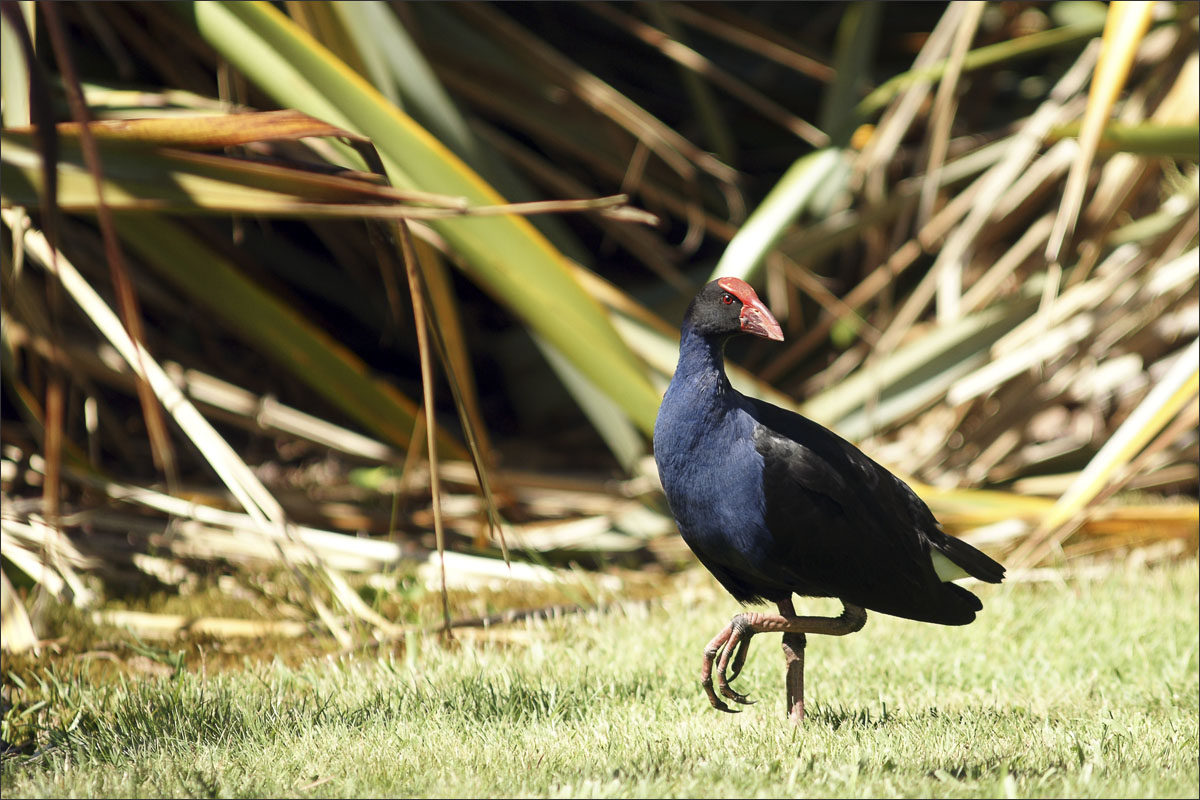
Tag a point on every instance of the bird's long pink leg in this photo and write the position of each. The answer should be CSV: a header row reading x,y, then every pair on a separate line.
x,y
793,657
736,637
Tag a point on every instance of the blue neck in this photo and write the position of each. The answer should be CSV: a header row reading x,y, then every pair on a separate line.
x,y
700,389
702,358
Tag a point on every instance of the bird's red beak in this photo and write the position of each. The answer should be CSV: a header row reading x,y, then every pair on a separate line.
x,y
755,316
758,320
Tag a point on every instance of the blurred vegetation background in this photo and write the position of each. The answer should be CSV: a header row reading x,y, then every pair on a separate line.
x,y
250,249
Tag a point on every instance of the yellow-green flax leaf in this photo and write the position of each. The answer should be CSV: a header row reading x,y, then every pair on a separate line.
x,y
147,178
1126,24
505,255
1147,138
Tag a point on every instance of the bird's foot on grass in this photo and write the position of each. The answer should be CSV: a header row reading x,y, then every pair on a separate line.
x,y
733,639
732,644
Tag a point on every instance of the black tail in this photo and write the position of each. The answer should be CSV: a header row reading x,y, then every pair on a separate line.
x,y
943,604
978,564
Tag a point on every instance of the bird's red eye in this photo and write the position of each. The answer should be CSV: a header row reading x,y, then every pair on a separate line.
x,y
727,299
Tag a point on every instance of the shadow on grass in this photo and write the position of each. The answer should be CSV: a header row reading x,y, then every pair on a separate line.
x,y
129,720
838,716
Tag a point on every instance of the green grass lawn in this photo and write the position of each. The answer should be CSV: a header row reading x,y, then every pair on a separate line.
x,y
1081,690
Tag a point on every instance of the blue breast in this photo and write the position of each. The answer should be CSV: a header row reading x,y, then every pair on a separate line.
x,y
712,473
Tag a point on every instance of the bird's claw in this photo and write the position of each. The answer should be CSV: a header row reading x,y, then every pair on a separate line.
x,y
735,695
715,701
733,641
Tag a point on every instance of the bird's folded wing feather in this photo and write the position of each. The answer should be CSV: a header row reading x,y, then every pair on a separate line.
x,y
871,508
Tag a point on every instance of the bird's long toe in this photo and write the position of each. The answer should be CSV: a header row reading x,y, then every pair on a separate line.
x,y
706,681
735,647
715,701
714,652
739,658
733,694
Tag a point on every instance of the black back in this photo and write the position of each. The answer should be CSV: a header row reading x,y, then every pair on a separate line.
x,y
846,527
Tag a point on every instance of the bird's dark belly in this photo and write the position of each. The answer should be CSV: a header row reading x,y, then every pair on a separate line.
x,y
720,514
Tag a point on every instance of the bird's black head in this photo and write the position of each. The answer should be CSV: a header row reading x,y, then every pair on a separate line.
x,y
729,306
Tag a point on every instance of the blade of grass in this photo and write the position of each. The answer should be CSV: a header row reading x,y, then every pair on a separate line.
x,y
14,77
37,102
945,105
212,131
321,20
448,327
622,438
441,329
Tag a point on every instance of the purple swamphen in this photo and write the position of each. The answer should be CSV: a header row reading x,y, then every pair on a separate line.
x,y
773,505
